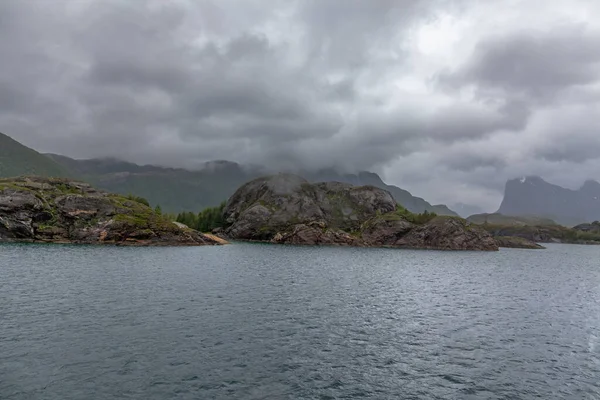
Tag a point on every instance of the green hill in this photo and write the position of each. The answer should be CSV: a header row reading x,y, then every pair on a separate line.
x,y
16,160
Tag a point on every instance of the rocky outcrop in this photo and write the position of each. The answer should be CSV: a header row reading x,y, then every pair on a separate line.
x,y
288,209
34,209
594,227
266,206
448,233
316,234
515,242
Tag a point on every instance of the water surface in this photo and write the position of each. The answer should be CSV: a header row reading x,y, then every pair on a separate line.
x,y
275,322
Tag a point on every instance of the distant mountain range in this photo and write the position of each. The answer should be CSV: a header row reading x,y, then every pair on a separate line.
x,y
177,189
533,196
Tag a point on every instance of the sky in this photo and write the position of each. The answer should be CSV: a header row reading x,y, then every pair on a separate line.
x,y
445,98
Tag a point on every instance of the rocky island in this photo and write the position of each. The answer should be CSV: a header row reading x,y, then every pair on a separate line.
x,y
286,208
53,210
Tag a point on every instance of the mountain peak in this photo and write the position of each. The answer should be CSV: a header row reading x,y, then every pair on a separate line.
x,y
590,184
533,196
530,179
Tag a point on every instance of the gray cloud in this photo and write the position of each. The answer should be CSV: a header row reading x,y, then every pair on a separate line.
x,y
310,84
532,63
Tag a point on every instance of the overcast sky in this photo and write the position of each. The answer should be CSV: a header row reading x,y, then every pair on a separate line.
x,y
445,98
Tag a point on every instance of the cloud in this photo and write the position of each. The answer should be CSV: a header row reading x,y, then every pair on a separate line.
x,y
536,65
436,95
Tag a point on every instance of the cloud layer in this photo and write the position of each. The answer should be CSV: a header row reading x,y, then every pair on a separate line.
x,y
447,98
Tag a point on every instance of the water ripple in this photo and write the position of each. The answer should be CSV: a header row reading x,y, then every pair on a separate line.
x,y
278,322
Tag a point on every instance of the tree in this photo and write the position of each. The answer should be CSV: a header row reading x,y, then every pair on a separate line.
x,y
158,210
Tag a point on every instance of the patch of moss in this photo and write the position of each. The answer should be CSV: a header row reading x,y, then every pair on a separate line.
x,y
65,188
14,186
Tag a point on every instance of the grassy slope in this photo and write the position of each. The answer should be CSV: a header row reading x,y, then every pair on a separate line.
x,y
16,159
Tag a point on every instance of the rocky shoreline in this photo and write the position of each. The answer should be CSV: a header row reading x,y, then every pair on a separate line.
x,y
52,210
281,209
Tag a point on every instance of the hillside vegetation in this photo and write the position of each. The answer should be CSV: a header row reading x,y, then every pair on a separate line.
x,y
16,160
37,209
544,234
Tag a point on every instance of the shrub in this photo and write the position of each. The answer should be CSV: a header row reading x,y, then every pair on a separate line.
x,y
138,199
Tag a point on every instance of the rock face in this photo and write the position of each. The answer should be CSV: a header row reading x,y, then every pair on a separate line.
x,y
594,227
516,242
288,209
34,209
447,233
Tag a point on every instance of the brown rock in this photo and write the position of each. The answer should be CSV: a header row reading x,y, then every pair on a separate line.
x,y
448,233
314,235
517,243
385,232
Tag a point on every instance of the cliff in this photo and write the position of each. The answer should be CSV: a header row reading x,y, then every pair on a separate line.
x,y
34,209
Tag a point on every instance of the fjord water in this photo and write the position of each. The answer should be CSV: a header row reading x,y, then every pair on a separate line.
x,y
273,322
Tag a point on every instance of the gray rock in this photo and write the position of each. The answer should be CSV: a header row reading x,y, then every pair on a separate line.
x,y
288,209
515,242
448,233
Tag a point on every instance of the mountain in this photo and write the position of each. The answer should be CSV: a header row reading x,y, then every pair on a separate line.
x,y
404,197
177,189
16,159
533,196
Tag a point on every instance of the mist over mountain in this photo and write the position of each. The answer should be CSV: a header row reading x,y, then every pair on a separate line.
x,y
177,189
466,210
531,195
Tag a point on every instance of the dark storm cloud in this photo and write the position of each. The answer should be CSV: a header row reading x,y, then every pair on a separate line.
x,y
460,122
135,75
304,84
